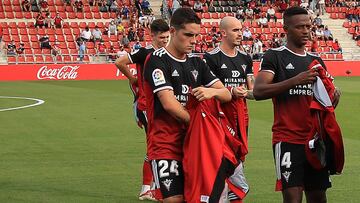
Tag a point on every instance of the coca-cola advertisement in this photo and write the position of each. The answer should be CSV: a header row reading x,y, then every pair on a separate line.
x,y
62,72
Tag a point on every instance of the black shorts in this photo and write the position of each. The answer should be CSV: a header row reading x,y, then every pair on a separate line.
x,y
168,176
293,169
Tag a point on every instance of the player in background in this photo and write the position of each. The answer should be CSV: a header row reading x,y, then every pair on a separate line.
x,y
160,36
235,69
170,75
285,77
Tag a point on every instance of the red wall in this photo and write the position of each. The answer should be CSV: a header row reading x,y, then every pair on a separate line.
x,y
110,72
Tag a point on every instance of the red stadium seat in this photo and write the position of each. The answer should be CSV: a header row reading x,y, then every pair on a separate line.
x,y
25,38
12,25
105,15
323,56
41,31
339,56
346,24
82,25
69,38
333,15
342,15
9,15
326,49
214,16
30,24
59,2
67,31
91,25
74,25
90,45
29,59
206,15
60,9
71,15
97,16
11,59
45,51
330,56
16,38
21,59
100,24
8,9
67,59
37,51
88,16
14,31
80,15
49,59
39,59
59,31
2,15
19,15
76,31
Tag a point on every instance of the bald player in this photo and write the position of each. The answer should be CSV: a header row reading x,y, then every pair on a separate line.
x,y
235,70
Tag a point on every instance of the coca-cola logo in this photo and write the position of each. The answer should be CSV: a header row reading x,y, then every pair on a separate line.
x,y
62,73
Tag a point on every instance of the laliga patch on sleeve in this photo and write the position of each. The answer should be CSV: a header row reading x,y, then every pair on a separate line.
x,y
158,77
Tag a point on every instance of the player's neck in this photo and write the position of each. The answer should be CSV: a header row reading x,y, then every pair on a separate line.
x,y
228,50
175,52
155,46
296,49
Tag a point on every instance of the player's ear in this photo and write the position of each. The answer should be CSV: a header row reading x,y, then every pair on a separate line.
x,y
223,33
172,30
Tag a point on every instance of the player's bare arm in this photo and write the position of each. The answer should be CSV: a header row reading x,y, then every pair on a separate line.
x,y
250,80
172,106
122,64
216,90
264,88
337,94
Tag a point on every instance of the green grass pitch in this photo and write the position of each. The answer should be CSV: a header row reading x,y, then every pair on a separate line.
x,y
82,144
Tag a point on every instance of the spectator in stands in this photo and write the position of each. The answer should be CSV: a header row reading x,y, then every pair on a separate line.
x,y
121,51
11,48
321,5
112,54
263,21
143,20
58,21
112,29
20,50
319,33
151,18
140,32
175,5
101,48
1,35
45,42
136,46
48,21
283,6
26,5
34,6
327,34
209,3
102,6
271,13
44,6
246,34
114,7
82,49
249,14
240,15
131,35
78,6
125,41
336,46
314,45
86,34
120,29
257,12
125,12
304,4
137,6
39,20
357,13
204,47
55,51
198,6
67,2
145,5
96,34
356,35
317,21
257,49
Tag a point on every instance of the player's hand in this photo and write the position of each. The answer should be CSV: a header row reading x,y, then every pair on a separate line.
x,y
203,93
307,77
140,124
133,80
240,92
337,94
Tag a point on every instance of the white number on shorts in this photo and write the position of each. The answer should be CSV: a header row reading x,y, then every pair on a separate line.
x,y
286,160
174,167
163,164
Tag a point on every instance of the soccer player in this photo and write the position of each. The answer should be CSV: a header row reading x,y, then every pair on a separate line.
x,y
235,69
284,76
170,75
160,36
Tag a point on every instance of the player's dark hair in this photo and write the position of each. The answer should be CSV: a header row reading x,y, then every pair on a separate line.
x,y
293,11
184,16
159,26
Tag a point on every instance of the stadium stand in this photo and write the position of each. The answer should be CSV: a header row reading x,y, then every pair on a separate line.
x,y
20,26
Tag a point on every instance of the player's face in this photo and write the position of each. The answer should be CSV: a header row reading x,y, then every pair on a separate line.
x,y
161,39
184,39
233,33
298,30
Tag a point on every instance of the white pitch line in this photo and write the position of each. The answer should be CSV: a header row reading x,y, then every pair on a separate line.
x,y
38,102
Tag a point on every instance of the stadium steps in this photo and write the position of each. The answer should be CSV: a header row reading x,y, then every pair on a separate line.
x,y
350,50
155,6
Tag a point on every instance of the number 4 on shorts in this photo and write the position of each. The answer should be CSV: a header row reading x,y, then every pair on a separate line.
x,y
286,161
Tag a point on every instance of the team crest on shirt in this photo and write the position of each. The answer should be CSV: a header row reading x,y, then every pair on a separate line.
x,y
195,73
243,66
167,183
286,175
135,51
158,77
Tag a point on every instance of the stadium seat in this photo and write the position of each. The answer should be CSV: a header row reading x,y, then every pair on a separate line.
x,y
14,31
330,56
16,38
28,50
21,59
82,25
214,16
9,15
11,59
25,38
346,24
71,15
49,59
76,31
2,15
326,49
39,59
19,15
80,15
105,15
67,31
29,59
88,16
74,25
97,16
90,45
339,56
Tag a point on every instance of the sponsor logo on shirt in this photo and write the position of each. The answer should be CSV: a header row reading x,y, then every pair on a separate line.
x,y
286,175
290,67
235,73
204,198
223,66
175,73
158,77
184,89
